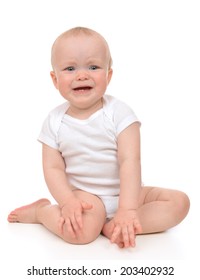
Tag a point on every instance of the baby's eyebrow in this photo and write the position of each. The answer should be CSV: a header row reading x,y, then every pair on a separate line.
x,y
93,59
69,62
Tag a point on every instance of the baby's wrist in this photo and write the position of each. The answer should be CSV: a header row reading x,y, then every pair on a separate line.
x,y
121,208
64,202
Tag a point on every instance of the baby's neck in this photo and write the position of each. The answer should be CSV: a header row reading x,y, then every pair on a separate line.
x,y
85,113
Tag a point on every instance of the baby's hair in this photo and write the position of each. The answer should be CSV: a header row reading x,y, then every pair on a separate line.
x,y
82,30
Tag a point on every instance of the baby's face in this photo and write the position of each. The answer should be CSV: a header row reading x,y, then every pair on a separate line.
x,y
81,71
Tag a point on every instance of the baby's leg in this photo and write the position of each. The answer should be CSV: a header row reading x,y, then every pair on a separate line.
x,y
93,219
28,213
38,212
43,212
160,209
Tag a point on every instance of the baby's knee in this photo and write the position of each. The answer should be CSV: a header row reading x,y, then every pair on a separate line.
x,y
185,201
93,221
182,202
84,236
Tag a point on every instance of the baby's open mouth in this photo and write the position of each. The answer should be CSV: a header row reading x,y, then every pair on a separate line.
x,y
83,88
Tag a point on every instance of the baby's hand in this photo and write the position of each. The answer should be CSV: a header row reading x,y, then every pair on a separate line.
x,y
126,224
72,215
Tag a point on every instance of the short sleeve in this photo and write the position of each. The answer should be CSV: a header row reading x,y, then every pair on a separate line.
x,y
49,132
123,116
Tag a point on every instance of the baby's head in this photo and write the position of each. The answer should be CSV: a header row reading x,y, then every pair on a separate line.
x,y
82,70
79,32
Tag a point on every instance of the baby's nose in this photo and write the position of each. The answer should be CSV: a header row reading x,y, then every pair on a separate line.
x,y
82,75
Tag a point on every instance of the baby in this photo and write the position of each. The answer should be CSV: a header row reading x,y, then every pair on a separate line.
x,y
91,155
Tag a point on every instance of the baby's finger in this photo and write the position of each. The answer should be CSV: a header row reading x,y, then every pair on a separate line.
x,y
138,227
76,222
116,233
86,205
60,224
131,234
125,235
79,220
70,228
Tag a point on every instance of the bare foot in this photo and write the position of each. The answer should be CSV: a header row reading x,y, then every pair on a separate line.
x,y
108,230
27,213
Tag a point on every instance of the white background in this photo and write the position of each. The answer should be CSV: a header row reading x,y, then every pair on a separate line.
x,y
155,48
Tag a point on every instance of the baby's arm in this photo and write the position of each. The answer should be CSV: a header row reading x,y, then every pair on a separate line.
x,y
125,219
58,185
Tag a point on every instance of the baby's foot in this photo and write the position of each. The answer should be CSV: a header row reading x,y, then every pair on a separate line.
x,y
108,230
27,213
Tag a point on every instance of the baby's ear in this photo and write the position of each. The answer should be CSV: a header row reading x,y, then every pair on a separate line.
x,y
110,72
54,79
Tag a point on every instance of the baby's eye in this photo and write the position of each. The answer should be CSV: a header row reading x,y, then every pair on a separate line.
x,y
70,68
93,67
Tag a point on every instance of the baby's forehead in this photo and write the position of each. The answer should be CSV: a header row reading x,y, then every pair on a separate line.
x,y
69,38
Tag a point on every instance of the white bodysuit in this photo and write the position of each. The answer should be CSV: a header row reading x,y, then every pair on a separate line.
x,y
89,147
